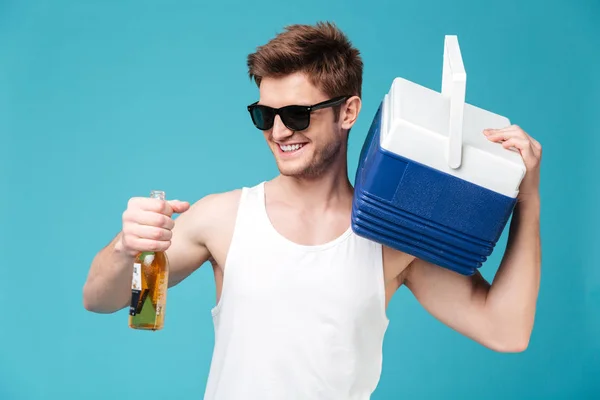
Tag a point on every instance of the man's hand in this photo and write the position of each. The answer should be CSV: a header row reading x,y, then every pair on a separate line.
x,y
147,224
531,152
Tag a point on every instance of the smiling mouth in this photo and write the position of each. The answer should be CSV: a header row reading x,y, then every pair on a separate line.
x,y
290,148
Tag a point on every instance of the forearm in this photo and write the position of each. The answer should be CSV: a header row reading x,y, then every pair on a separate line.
x,y
108,286
511,300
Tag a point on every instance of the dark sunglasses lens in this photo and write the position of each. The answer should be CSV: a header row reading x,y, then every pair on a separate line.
x,y
262,117
295,118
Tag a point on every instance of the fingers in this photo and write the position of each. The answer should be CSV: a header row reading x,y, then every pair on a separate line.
x,y
522,141
537,147
137,244
152,205
159,206
179,206
524,147
505,133
508,132
147,223
517,142
147,218
147,232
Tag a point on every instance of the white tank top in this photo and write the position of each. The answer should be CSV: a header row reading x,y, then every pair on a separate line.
x,y
295,321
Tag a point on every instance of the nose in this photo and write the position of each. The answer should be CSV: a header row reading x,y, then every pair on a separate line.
x,y
280,131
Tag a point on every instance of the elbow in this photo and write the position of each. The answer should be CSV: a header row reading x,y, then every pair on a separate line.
x,y
513,342
513,346
88,306
95,303
92,306
88,303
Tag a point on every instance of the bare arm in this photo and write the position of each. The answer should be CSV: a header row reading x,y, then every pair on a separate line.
x,y
147,226
108,285
501,315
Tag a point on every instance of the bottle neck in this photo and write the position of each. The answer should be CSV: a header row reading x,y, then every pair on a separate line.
x,y
157,194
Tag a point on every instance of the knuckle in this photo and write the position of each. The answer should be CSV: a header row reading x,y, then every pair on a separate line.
x,y
126,230
160,246
162,206
147,204
129,218
156,234
154,246
125,240
130,244
158,206
158,220
133,202
129,214
169,224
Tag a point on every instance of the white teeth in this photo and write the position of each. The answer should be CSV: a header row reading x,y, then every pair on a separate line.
x,y
290,147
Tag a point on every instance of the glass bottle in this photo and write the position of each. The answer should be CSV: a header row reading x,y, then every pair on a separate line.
x,y
149,286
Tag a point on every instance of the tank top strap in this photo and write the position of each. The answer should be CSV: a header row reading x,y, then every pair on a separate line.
x,y
249,225
252,212
249,207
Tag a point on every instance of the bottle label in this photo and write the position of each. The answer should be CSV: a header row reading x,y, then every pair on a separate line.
x,y
162,288
136,282
136,289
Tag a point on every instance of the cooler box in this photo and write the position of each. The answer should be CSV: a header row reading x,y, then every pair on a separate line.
x,y
429,183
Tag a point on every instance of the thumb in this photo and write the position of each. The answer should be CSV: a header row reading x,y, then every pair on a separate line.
x,y
179,206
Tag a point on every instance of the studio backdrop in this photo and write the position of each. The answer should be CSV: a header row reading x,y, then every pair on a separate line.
x,y
101,101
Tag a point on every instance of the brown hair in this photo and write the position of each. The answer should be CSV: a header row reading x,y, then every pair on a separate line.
x,y
321,51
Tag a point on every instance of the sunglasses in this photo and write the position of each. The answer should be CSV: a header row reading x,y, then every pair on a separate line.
x,y
295,118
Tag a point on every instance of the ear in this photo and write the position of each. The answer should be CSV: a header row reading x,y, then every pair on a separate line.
x,y
350,112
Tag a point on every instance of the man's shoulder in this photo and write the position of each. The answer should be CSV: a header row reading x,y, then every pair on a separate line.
x,y
221,206
215,212
218,204
226,201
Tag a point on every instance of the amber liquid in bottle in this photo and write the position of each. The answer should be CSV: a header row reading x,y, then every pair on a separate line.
x,y
149,288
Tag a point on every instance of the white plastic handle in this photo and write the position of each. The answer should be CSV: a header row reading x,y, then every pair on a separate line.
x,y
454,81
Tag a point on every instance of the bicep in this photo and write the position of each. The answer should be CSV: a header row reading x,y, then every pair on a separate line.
x,y
209,221
187,251
456,300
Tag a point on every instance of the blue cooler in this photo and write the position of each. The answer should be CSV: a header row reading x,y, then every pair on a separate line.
x,y
429,183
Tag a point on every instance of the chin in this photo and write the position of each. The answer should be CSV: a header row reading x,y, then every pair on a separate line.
x,y
305,170
292,169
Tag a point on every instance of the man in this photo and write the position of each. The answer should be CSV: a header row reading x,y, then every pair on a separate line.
x,y
301,300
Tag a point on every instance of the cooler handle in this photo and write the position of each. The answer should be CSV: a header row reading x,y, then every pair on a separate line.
x,y
454,80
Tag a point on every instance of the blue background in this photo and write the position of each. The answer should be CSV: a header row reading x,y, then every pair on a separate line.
x,y
104,100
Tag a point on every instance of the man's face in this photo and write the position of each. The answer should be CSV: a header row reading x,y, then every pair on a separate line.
x,y
307,153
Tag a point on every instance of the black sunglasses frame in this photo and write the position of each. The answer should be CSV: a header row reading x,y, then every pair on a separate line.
x,y
304,111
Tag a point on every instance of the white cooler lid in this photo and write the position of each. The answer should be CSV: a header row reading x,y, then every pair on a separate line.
x,y
439,130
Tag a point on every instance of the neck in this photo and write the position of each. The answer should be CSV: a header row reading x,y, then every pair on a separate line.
x,y
329,190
